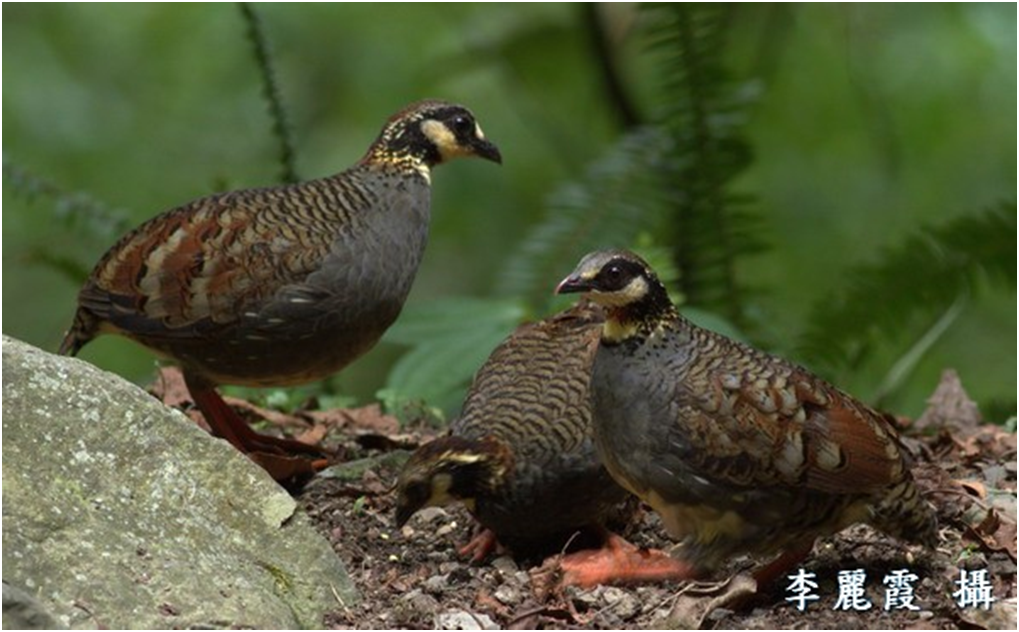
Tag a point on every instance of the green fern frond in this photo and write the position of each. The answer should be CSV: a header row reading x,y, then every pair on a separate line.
x,y
78,210
273,97
617,198
910,283
704,112
449,340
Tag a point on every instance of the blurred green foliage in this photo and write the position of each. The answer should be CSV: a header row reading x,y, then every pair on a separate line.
x,y
845,136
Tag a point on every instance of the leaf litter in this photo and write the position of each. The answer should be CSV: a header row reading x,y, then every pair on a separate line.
x,y
414,577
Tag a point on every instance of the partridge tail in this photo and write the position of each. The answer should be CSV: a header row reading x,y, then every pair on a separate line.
x,y
904,513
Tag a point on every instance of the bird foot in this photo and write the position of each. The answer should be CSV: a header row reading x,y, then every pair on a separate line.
x,y
481,545
286,460
620,562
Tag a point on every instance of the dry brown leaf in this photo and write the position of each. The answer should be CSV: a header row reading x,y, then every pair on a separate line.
x,y
1005,537
371,418
974,487
274,417
368,418
696,600
313,435
949,406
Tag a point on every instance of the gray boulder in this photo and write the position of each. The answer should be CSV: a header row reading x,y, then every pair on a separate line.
x,y
121,513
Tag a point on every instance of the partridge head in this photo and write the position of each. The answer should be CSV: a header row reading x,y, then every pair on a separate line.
x,y
279,285
738,451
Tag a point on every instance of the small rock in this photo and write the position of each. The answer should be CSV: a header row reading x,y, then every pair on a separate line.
x,y
448,567
436,584
505,564
431,514
460,575
586,599
718,614
421,602
508,594
463,620
623,604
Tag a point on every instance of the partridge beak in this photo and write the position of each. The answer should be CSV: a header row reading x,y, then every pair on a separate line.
x,y
487,150
572,284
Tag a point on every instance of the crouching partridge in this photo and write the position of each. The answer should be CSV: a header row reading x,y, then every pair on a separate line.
x,y
738,451
279,285
521,455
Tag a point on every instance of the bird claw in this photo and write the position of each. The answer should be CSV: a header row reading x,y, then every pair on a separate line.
x,y
480,546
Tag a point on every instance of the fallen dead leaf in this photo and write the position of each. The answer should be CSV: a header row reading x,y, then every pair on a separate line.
x,y
974,487
696,600
949,407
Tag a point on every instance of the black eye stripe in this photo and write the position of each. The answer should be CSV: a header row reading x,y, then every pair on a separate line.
x,y
617,274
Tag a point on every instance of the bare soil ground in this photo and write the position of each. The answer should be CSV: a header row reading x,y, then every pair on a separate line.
x,y
415,578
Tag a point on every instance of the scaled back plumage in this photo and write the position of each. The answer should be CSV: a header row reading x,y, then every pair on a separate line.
x,y
526,418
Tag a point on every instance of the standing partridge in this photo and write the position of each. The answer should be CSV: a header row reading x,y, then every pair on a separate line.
x,y
280,285
521,456
738,451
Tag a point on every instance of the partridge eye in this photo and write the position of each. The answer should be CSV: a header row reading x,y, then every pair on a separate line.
x,y
613,276
462,125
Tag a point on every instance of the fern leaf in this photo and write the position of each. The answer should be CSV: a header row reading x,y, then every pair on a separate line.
x,y
450,340
75,208
921,277
617,198
280,127
703,111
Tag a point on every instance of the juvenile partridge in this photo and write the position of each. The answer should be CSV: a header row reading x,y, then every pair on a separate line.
x,y
521,456
738,451
279,285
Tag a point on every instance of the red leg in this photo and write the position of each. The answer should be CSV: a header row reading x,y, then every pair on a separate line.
x,y
481,545
621,562
274,454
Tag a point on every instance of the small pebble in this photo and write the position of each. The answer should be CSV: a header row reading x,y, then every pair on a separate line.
x,y
508,594
587,598
420,602
718,614
623,604
430,514
505,564
436,585
463,620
